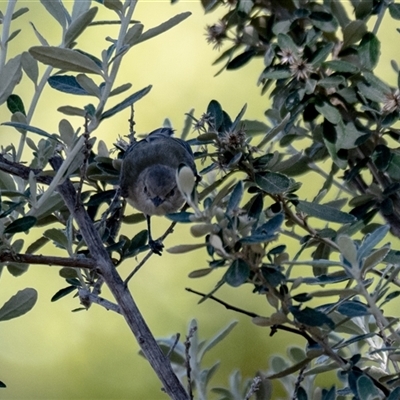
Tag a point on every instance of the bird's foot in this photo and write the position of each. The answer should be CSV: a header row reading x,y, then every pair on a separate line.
x,y
156,246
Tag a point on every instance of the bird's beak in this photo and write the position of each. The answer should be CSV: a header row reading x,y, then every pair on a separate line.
x,y
157,201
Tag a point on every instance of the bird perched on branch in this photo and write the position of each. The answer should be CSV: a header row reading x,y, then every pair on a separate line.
x,y
148,178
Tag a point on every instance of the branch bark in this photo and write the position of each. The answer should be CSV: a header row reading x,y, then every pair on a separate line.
x,y
159,362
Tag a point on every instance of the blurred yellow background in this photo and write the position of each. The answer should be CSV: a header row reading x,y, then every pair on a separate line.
x,y
52,353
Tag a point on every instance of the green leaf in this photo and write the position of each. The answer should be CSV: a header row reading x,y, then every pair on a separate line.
x,y
371,93
324,21
10,76
36,245
241,59
21,225
30,66
63,292
79,25
19,12
137,243
66,84
66,59
133,34
58,237
326,213
322,54
32,129
329,112
272,182
353,308
19,304
285,42
394,167
216,339
353,32
237,273
15,104
369,51
366,388
114,5
371,240
214,110
394,10
311,317
235,198
57,10
341,66
375,258
127,102
165,26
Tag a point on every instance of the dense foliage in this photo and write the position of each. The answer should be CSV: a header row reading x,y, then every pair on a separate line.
x,y
330,115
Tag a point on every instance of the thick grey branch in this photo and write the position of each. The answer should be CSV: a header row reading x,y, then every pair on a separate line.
x,y
123,297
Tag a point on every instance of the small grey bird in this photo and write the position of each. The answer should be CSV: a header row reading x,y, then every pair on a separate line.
x,y
148,175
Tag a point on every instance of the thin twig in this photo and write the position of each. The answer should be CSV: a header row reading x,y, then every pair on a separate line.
x,y
172,348
192,330
255,386
87,298
47,260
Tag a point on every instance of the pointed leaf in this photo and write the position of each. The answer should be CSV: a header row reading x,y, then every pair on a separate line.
x,y
21,225
272,182
66,84
369,51
32,129
127,102
19,304
354,32
9,77
235,198
66,59
217,339
237,273
371,240
79,25
165,26
57,10
326,213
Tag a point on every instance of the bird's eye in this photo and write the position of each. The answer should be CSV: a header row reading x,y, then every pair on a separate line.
x,y
171,193
145,189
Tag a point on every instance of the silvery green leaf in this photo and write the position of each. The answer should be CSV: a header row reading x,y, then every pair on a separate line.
x,y
274,131
57,236
371,93
13,35
348,250
237,273
165,26
354,32
375,258
238,117
126,103
79,7
30,66
19,12
369,51
20,225
88,85
41,39
272,182
329,112
217,339
30,128
371,240
324,212
57,10
66,59
120,89
19,304
9,77
133,34
66,84
366,388
79,25
114,5
235,198
71,110
66,132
